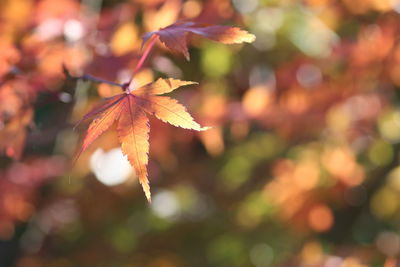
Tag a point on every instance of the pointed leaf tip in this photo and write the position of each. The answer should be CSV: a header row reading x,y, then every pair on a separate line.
x,y
249,38
146,189
205,128
187,57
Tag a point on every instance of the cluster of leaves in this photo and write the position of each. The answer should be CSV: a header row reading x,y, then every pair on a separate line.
x,y
129,108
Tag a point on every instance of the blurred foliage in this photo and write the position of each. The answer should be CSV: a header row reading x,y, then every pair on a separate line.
x,y
301,167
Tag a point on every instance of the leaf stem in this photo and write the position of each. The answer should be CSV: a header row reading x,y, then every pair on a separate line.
x,y
145,54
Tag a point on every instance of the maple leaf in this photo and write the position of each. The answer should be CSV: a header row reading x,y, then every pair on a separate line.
x,y
129,111
174,36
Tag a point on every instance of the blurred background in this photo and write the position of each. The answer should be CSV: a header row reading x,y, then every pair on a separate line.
x,y
301,167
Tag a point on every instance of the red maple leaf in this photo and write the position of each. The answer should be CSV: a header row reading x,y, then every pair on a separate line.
x,y
129,111
175,36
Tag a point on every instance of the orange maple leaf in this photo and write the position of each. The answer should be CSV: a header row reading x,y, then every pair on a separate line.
x,y
174,36
129,111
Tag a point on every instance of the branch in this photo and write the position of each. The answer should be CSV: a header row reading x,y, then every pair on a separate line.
x,y
88,77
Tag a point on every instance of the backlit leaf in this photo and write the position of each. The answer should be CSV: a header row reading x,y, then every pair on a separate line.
x,y
128,109
174,36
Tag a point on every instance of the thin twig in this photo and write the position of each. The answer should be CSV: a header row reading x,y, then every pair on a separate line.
x,y
98,80
88,77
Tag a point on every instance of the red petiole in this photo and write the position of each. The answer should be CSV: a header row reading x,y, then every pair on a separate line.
x,y
145,54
